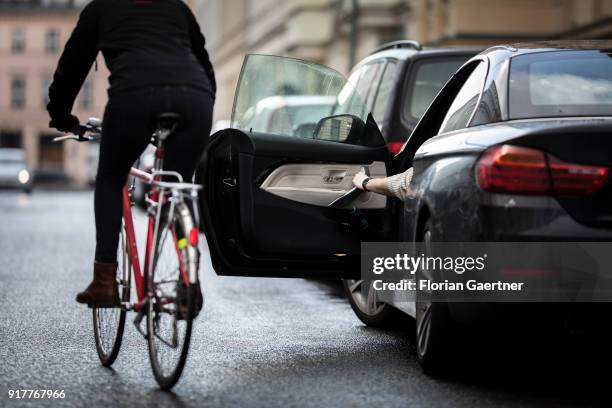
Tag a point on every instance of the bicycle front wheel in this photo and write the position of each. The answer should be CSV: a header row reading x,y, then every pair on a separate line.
x,y
109,322
171,308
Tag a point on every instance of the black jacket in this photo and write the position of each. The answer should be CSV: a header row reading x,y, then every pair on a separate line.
x,y
144,43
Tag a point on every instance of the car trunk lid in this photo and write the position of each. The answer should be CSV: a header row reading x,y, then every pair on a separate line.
x,y
579,144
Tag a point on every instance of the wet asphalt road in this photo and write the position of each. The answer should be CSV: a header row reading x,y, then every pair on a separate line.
x,y
259,342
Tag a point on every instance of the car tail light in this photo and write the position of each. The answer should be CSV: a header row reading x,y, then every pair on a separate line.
x,y
568,178
395,147
523,170
513,169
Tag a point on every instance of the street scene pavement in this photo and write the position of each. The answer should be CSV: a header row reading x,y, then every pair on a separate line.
x,y
258,342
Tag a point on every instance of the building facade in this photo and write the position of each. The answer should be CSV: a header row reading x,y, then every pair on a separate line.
x,y
32,37
338,33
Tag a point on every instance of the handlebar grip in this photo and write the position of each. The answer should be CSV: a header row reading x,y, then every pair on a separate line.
x,y
67,137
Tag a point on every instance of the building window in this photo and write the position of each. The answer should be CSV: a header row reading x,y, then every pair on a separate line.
x,y
52,41
18,87
86,100
18,42
10,139
44,91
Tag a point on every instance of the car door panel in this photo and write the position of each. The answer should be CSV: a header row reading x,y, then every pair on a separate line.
x,y
261,233
321,184
268,189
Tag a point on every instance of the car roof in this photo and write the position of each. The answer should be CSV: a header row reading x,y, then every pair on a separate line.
x,y
512,50
411,53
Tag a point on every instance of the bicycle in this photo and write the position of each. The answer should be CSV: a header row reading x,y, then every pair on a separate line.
x,y
167,287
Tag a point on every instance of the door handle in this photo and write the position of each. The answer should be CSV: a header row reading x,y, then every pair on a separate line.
x,y
346,199
351,195
334,176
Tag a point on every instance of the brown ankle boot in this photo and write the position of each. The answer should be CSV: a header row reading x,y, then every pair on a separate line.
x,y
102,291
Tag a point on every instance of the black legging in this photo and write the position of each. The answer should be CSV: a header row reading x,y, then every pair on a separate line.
x,y
128,123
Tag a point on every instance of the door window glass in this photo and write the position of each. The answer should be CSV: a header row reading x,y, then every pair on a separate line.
x,y
465,102
366,86
384,92
429,79
290,97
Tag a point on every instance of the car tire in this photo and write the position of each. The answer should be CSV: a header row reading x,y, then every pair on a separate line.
x,y
367,309
434,331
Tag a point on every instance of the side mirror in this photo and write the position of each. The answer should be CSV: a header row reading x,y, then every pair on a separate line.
x,y
338,128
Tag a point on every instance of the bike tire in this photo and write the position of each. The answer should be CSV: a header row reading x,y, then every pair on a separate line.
x,y
109,323
181,222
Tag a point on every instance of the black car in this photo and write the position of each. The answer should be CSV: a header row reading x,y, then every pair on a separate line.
x,y
398,81
516,146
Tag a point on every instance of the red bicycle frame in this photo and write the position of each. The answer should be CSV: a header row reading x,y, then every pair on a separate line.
x,y
141,274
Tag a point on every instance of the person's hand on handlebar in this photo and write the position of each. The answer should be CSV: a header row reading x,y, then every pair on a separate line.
x,y
67,124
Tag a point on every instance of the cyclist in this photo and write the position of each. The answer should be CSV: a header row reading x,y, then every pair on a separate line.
x,y
155,53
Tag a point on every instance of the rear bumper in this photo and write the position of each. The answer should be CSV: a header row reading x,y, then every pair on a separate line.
x,y
553,314
518,219
524,218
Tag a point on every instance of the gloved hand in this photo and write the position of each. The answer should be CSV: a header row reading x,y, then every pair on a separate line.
x,y
67,124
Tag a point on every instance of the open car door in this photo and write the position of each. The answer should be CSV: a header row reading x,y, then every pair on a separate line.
x,y
278,198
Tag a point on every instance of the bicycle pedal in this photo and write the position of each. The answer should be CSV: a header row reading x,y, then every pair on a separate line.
x,y
137,322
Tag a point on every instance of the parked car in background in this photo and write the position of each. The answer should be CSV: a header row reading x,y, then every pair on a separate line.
x,y
288,114
398,81
93,155
14,171
517,146
145,163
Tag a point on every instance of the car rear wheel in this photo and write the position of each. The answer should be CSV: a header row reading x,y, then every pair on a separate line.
x,y
434,327
367,306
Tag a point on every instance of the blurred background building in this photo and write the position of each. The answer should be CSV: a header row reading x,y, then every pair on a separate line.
x,y
32,36
337,33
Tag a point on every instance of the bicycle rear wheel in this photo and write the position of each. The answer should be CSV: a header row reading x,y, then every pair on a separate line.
x,y
110,322
171,310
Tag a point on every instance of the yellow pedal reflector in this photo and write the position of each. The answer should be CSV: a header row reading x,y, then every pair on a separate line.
x,y
182,243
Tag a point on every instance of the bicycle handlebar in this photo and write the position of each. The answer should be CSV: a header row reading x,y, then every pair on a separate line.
x,y
85,133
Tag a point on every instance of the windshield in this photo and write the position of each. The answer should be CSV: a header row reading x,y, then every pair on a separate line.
x,y
287,96
564,83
